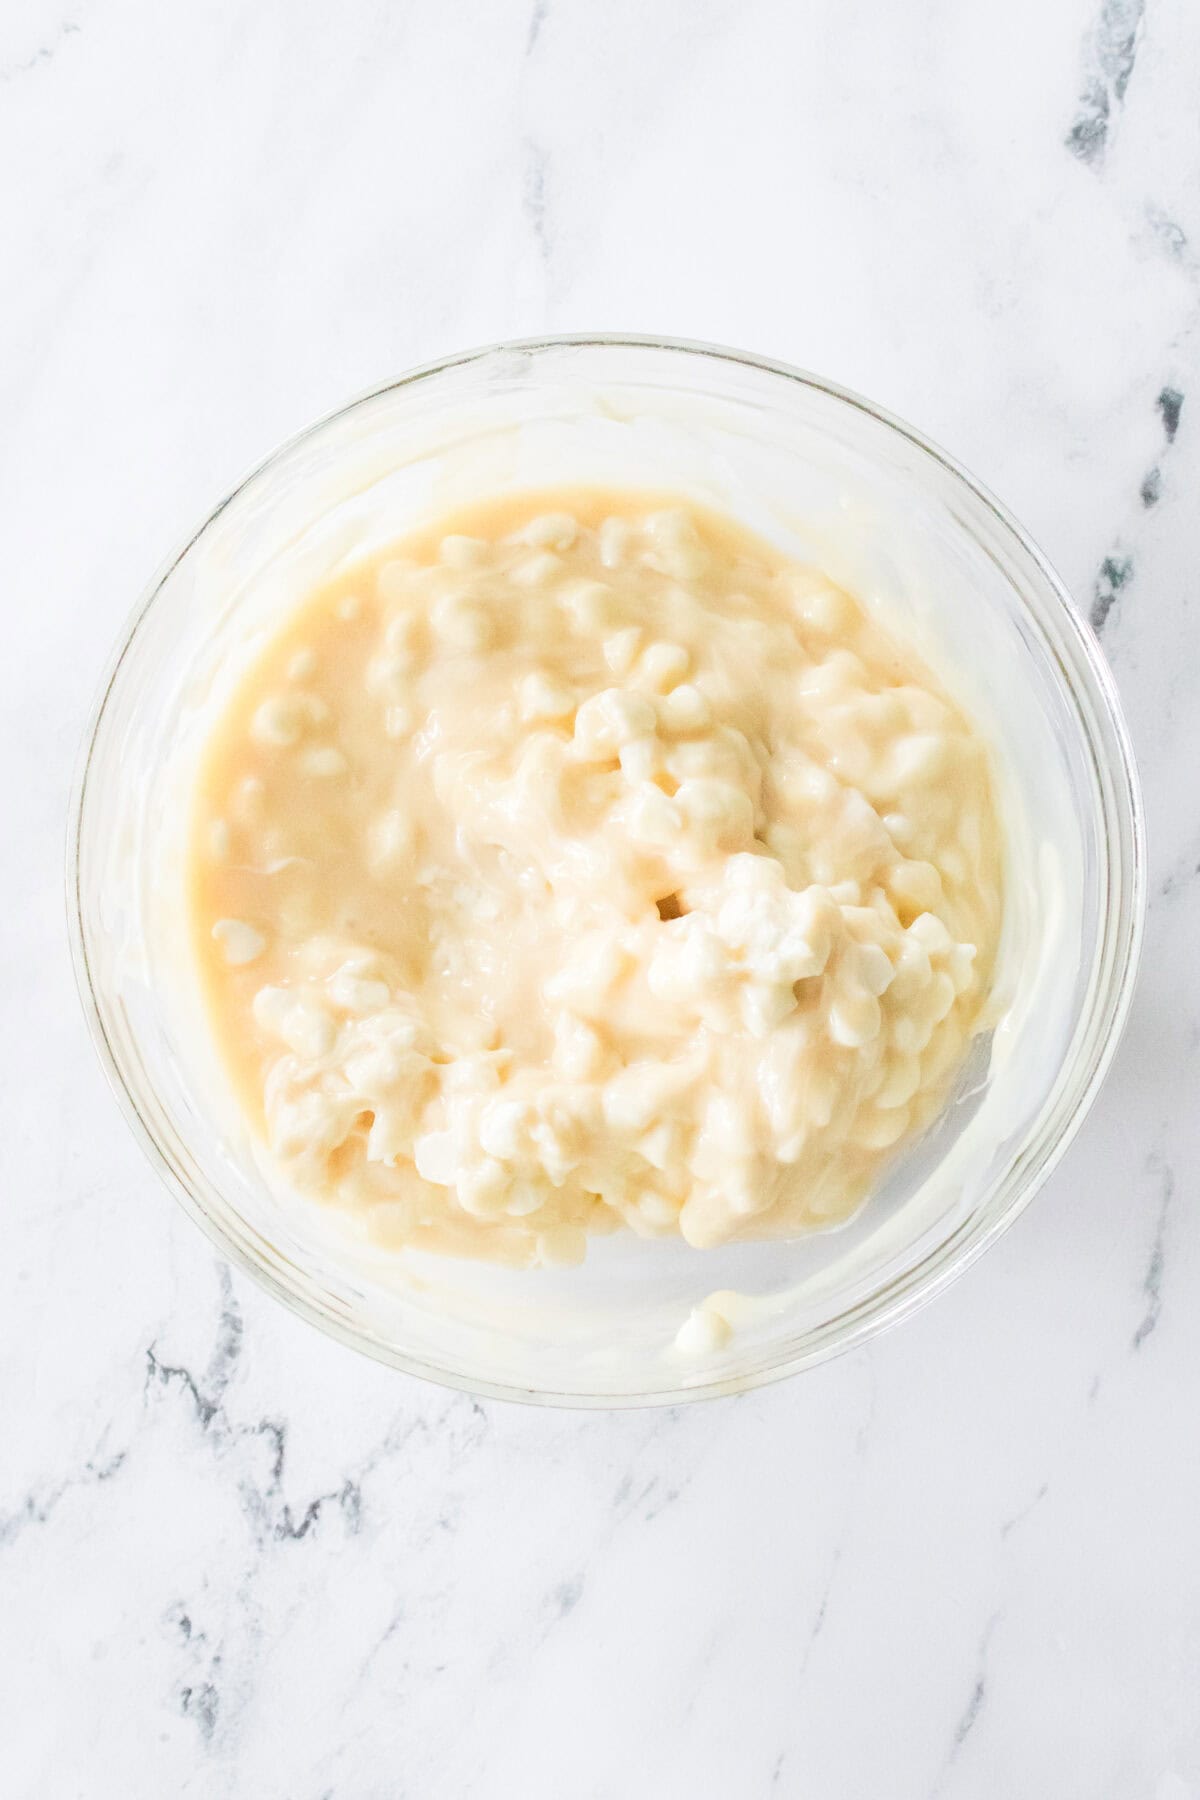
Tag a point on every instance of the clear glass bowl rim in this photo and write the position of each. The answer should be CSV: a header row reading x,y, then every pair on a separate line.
x,y
1119,940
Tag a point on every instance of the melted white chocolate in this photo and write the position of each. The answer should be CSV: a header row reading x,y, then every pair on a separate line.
x,y
586,863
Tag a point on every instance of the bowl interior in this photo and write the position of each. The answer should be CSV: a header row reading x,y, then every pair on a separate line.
x,y
824,476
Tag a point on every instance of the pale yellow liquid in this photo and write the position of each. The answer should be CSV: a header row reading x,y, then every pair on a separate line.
x,y
416,822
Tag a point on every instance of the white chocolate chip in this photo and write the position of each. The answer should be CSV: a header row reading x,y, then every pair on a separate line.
x,y
640,759
538,571
356,995
460,552
621,649
589,604
685,709
615,536
663,666
279,721
436,1157
240,943
460,623
653,818
611,718
550,531
543,697
676,548
703,1332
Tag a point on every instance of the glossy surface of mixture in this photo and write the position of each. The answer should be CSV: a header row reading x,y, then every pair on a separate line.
x,y
584,863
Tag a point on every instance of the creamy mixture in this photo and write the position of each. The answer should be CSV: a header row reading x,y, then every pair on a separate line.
x,y
584,863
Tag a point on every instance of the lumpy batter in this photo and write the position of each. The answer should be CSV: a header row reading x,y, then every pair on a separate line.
x,y
584,863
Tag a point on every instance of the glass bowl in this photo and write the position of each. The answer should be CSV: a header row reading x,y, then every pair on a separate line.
x,y
826,475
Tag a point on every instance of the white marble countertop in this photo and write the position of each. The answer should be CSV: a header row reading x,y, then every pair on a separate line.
x,y
236,1559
